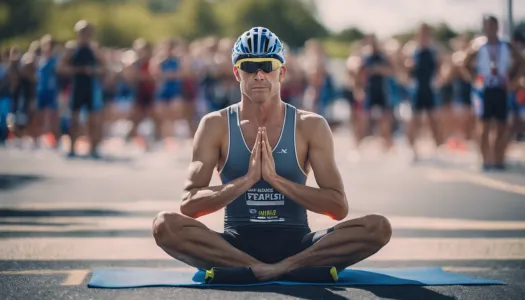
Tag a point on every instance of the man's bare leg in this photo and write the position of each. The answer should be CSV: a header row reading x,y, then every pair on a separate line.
x,y
350,242
500,144
190,241
412,131
485,147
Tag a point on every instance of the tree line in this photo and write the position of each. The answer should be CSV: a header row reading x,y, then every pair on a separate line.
x,y
119,22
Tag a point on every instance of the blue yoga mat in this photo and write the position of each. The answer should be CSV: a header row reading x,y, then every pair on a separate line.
x,y
131,278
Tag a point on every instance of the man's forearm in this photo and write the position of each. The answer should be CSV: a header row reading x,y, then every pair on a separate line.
x,y
322,201
198,202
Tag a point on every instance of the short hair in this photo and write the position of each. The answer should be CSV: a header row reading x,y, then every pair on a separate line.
x,y
490,18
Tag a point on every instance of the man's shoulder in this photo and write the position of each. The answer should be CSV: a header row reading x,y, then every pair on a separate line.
x,y
215,121
310,122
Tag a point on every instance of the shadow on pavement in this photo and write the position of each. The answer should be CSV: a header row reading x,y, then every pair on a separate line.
x,y
12,181
302,292
146,232
28,223
405,292
33,213
313,292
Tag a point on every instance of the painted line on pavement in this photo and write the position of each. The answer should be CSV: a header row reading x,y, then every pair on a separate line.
x,y
440,175
400,249
68,224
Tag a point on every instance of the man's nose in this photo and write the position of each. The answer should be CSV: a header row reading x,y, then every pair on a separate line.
x,y
259,75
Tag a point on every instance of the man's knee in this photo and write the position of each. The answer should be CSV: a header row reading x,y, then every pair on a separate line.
x,y
166,226
380,229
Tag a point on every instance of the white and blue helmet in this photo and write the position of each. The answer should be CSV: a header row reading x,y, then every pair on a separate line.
x,y
258,42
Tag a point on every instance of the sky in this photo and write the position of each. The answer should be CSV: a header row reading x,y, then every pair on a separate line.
x,y
387,17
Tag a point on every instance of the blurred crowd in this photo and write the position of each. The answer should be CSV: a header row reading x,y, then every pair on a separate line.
x,y
56,93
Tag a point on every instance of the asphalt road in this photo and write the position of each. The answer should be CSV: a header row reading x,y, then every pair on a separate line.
x,y
59,218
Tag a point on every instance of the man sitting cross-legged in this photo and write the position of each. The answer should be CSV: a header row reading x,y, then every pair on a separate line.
x,y
263,149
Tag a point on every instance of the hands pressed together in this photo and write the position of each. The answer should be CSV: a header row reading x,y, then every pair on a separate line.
x,y
262,164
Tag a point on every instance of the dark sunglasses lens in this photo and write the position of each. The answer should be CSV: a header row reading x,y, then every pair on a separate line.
x,y
253,67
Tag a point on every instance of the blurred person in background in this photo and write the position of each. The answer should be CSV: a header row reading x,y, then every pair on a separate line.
x,y
227,88
191,69
144,86
5,96
294,83
422,66
24,94
445,82
355,95
375,78
168,73
109,82
462,89
85,65
518,120
491,66
319,91
46,116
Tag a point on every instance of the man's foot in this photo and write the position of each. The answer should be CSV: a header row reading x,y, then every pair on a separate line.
x,y
71,154
487,167
95,155
266,272
500,167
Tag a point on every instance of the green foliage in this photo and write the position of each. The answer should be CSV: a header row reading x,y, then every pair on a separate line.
x,y
350,34
195,18
119,22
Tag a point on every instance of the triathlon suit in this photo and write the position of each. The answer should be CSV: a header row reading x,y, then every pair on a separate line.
x,y
5,102
262,222
47,84
377,87
145,93
491,101
86,90
169,88
423,97
462,92
23,97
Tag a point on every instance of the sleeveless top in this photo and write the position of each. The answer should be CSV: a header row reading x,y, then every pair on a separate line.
x,y
263,204
492,64
425,68
84,56
47,76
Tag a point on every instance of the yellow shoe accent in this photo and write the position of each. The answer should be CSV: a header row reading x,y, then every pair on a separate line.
x,y
209,275
333,272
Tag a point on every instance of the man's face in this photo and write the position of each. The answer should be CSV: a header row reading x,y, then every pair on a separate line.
x,y
260,86
85,34
490,28
47,46
424,34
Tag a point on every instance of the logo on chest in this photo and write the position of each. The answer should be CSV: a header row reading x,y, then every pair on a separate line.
x,y
282,151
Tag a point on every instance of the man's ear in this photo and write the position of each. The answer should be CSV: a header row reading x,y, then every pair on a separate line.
x,y
282,73
236,73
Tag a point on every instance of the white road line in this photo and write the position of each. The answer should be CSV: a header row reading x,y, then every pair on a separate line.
x,y
67,224
440,175
73,277
60,224
401,249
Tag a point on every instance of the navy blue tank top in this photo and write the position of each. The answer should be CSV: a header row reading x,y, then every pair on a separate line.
x,y
375,85
84,56
425,67
262,204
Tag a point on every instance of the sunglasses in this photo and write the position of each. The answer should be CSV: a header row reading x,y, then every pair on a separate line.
x,y
253,65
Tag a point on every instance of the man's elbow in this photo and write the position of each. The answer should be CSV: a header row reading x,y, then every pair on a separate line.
x,y
341,210
187,210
